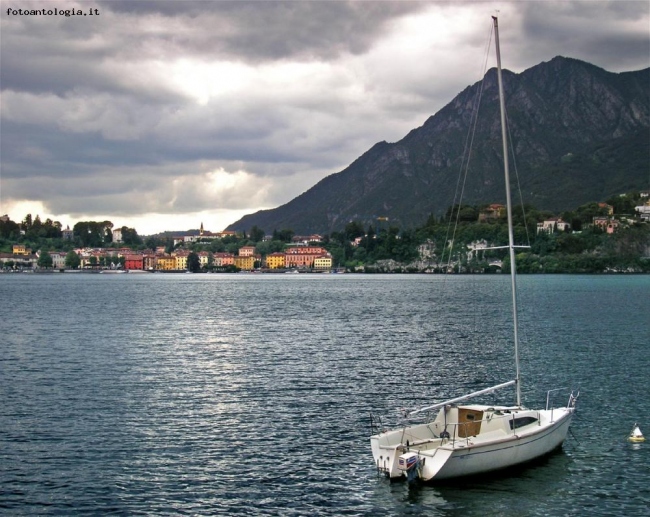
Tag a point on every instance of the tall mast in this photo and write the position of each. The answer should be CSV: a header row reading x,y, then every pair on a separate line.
x,y
511,239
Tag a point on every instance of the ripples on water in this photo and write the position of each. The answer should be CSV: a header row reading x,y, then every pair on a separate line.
x,y
250,394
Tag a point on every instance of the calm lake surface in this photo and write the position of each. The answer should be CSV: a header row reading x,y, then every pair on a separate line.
x,y
250,394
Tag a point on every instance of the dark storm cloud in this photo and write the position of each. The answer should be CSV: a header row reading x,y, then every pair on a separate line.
x,y
177,107
271,30
61,54
606,34
65,54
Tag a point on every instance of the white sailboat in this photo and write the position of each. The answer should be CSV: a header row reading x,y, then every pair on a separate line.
x,y
471,439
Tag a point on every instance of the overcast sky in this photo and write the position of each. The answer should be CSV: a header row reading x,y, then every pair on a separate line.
x,y
160,115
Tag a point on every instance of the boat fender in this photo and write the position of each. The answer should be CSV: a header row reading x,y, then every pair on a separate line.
x,y
444,434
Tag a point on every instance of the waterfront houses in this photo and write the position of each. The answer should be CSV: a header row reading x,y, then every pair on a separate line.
x,y
58,259
165,263
245,263
323,262
303,256
204,258
246,259
134,262
222,259
275,260
18,261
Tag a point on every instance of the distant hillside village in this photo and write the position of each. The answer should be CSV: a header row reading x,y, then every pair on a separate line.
x,y
302,254
354,249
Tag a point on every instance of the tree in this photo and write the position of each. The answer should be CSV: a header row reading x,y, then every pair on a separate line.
x,y
256,234
623,204
130,236
45,260
9,229
283,235
92,233
193,262
107,229
72,260
152,242
113,261
27,223
353,230
468,213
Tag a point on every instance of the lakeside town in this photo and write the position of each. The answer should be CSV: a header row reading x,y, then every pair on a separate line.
x,y
302,255
580,236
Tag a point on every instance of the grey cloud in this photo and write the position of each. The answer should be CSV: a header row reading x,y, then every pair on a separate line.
x,y
100,132
598,32
130,190
63,54
258,31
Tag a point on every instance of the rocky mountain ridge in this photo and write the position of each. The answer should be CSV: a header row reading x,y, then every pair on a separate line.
x,y
578,132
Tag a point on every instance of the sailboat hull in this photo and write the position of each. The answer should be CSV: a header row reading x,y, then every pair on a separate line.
x,y
497,444
512,451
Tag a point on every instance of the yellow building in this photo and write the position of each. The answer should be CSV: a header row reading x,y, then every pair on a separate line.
x,y
181,262
324,262
204,258
19,249
245,263
166,263
275,260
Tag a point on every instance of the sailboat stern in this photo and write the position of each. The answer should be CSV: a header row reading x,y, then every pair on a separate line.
x,y
399,463
386,455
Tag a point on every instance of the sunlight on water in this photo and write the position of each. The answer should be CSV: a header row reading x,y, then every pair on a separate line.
x,y
199,394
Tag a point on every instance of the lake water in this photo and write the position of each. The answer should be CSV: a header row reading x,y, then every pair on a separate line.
x,y
250,394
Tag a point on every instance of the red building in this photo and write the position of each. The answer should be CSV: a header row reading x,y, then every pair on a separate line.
x,y
133,262
303,256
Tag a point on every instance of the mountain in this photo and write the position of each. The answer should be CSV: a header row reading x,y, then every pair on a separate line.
x,y
579,134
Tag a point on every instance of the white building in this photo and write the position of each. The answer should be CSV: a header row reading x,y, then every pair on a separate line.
x,y
58,259
644,212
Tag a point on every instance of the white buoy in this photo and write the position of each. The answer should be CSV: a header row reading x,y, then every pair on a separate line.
x,y
636,435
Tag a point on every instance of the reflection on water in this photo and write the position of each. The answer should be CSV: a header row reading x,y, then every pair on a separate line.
x,y
251,393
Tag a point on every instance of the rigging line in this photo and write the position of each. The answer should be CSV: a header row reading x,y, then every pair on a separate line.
x,y
514,162
465,158
523,313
